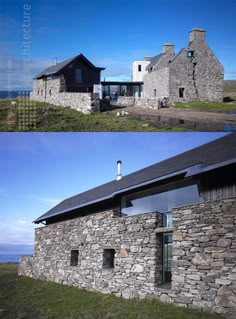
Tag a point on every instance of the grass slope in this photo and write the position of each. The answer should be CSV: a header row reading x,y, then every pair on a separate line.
x,y
50,118
26,298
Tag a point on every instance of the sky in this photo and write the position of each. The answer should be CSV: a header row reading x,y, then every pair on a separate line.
x,y
40,169
111,33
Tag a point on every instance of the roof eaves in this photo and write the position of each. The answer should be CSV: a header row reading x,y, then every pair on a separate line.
x,y
120,191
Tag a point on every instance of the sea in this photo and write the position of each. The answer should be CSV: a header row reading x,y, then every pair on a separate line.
x,y
13,94
9,258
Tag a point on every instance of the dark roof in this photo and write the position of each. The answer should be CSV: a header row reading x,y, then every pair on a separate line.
x,y
53,69
218,152
154,61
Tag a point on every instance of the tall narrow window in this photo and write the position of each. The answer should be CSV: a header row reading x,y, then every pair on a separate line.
x,y
78,75
154,92
108,258
167,257
139,67
181,92
74,257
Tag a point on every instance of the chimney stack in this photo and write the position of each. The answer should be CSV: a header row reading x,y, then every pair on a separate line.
x,y
168,49
119,176
55,61
197,34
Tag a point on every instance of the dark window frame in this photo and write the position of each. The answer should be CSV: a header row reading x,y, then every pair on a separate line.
x,y
74,257
140,68
108,258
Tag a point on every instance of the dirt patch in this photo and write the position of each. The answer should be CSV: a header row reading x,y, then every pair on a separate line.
x,y
203,121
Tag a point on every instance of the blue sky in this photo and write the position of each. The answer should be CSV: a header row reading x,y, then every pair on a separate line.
x,y
41,169
111,33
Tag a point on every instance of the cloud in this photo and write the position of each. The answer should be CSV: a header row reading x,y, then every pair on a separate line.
x,y
16,232
50,201
17,74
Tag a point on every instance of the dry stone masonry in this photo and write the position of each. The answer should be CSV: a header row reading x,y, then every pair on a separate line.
x,y
123,255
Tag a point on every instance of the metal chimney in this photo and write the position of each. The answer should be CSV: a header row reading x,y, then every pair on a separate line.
x,y
119,176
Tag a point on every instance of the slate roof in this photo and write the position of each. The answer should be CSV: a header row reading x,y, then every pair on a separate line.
x,y
154,61
222,150
53,69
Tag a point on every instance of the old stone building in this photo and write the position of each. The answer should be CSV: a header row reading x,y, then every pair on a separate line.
x,y
69,83
194,74
166,231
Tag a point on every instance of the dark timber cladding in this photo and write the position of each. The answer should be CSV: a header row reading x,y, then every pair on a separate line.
x,y
199,164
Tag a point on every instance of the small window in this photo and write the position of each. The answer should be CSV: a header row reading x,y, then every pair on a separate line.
x,y
181,92
108,258
139,67
38,91
74,257
42,92
190,54
50,92
154,92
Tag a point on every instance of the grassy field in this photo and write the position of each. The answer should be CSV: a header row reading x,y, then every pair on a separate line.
x,y
217,106
50,118
26,298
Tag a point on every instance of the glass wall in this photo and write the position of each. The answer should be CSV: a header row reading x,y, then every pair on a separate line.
x,y
151,201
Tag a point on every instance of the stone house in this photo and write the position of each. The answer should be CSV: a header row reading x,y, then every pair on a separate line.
x,y
69,83
165,231
193,74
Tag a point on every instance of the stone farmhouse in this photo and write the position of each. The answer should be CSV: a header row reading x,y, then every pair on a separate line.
x,y
69,83
194,73
166,231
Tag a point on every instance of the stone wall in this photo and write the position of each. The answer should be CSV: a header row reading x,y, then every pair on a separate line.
x,y
140,102
204,256
137,263
203,264
156,84
53,91
201,76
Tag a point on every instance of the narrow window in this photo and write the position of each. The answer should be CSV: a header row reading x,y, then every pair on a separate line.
x,y
38,91
74,257
154,92
50,92
167,257
181,92
190,54
108,258
139,67
78,75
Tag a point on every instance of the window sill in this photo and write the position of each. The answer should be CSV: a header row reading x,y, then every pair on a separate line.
x,y
163,230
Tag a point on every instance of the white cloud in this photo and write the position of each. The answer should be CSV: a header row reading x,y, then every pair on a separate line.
x,y
49,201
22,222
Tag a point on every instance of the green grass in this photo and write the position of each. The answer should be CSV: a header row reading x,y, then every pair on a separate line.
x,y
50,118
229,89
26,298
224,106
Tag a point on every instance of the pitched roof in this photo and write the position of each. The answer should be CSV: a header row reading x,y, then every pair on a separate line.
x,y
154,61
218,152
59,66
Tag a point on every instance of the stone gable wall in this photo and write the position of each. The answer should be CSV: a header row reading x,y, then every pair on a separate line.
x,y
201,76
53,91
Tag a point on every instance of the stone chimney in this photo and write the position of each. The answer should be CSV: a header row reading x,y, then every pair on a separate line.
x,y
197,34
168,48
119,176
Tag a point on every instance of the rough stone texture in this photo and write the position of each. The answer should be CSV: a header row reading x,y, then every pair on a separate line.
x,y
201,76
152,103
137,263
204,255
203,264
53,91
